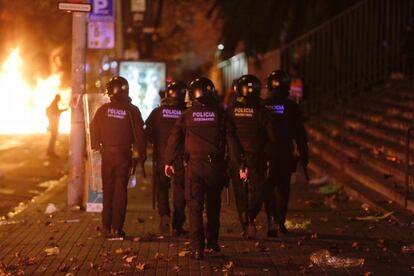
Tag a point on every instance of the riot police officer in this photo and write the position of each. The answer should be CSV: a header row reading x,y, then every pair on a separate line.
x,y
207,132
254,129
288,123
157,128
115,127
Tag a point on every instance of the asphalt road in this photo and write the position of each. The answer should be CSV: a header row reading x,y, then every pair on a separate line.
x,y
25,170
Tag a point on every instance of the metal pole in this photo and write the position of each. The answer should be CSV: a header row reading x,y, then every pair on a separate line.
x,y
119,48
77,135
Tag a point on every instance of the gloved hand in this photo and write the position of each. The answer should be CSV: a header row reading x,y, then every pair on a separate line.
x,y
243,173
304,159
169,170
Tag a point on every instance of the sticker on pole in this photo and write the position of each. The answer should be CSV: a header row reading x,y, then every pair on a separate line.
x,y
74,7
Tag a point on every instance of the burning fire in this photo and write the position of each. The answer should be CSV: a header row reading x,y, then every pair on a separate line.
x,y
22,107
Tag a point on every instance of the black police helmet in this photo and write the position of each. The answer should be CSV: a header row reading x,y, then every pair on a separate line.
x,y
176,90
117,88
278,83
201,88
248,86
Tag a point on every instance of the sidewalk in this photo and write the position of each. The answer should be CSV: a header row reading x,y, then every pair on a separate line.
x,y
317,222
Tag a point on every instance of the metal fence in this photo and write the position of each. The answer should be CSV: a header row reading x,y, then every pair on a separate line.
x,y
351,52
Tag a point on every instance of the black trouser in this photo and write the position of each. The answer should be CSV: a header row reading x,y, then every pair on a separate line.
x,y
163,185
204,180
115,173
256,165
277,191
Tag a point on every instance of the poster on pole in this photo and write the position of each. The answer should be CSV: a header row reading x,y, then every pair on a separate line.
x,y
146,80
91,102
101,35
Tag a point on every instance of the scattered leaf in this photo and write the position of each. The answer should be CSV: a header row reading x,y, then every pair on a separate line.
x,y
130,259
176,268
324,219
137,239
52,251
228,267
158,256
63,268
141,266
183,253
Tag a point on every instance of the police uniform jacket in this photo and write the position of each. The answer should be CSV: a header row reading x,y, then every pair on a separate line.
x,y
206,131
288,123
253,124
114,125
160,122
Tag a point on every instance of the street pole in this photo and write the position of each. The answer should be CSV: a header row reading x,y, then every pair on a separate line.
x,y
77,134
119,41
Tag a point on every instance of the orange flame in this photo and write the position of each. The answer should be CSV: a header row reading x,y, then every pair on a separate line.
x,y
22,107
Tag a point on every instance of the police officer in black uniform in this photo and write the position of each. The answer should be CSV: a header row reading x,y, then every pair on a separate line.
x,y
157,128
115,127
254,129
207,133
288,124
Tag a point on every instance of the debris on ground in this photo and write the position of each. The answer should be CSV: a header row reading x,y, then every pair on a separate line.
x,y
10,222
52,250
365,206
329,189
324,258
297,223
51,208
375,218
319,181
407,248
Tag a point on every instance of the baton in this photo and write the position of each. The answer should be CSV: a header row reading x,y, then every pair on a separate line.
x,y
227,196
246,186
305,171
144,174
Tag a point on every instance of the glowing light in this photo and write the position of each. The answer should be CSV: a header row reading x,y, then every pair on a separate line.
x,y
220,47
22,107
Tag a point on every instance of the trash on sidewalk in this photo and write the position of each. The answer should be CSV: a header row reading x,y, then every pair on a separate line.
x,y
51,208
141,266
407,248
329,189
116,239
324,258
375,218
69,220
365,206
10,222
52,250
319,181
184,253
297,223
16,210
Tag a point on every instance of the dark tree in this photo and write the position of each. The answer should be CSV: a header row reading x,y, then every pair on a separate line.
x,y
257,26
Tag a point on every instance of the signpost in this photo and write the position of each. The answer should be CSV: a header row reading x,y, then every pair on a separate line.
x,y
74,7
103,10
77,134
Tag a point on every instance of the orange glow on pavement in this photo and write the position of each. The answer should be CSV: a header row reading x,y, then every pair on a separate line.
x,y
22,107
